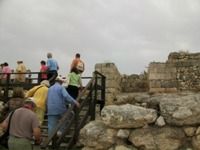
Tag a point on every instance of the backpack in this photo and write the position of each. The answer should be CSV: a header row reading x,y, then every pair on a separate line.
x,y
80,66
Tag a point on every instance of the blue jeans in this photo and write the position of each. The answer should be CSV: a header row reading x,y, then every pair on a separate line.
x,y
52,122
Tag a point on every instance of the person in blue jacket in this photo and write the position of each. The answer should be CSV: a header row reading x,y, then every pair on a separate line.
x,y
56,103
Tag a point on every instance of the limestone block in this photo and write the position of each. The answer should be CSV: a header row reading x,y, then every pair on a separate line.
x,y
162,76
97,136
182,113
127,116
123,147
163,90
155,84
123,133
112,83
189,131
197,131
196,142
109,99
181,110
166,138
112,90
160,121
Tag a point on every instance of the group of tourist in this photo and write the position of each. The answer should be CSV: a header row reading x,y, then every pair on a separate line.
x,y
20,71
28,108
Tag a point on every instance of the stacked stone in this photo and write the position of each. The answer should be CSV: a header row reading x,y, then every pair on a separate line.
x,y
135,83
162,77
173,125
113,80
180,72
188,70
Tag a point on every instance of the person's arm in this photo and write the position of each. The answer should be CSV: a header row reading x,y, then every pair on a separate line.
x,y
37,135
48,64
57,66
80,83
83,66
36,129
73,64
68,98
4,124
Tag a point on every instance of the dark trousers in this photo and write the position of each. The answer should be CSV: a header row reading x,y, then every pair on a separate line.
x,y
51,76
73,91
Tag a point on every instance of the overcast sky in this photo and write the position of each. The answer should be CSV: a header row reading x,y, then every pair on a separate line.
x,y
130,33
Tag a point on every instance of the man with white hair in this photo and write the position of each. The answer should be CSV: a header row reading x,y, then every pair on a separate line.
x,y
53,67
39,93
56,103
24,125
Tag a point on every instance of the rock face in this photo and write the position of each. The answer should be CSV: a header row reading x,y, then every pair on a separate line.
x,y
182,110
96,135
167,117
157,138
134,83
127,116
129,126
179,72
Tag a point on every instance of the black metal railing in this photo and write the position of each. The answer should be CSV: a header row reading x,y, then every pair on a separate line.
x,y
77,117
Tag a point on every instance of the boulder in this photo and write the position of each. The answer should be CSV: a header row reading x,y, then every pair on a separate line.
x,y
96,135
166,138
181,110
127,116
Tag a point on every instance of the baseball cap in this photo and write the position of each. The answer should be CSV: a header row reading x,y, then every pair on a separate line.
x,y
30,100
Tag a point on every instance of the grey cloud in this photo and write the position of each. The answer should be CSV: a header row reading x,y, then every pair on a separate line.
x,y
123,31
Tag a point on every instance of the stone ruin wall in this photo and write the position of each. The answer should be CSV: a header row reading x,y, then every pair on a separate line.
x,y
181,72
134,83
160,121
117,83
113,79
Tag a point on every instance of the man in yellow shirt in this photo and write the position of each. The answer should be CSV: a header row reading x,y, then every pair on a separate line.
x,y
39,94
21,69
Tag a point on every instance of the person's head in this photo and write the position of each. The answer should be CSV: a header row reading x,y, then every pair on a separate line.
x,y
45,83
5,64
49,55
43,62
30,103
60,79
77,55
18,92
19,62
